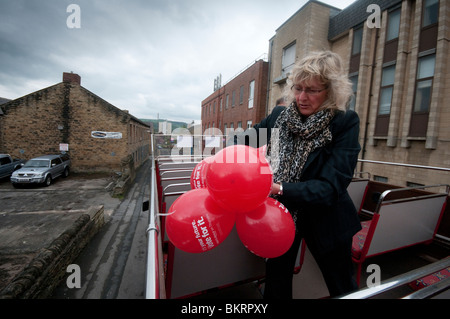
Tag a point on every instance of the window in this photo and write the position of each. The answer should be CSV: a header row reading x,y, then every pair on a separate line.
x,y
5,160
55,161
227,101
422,97
385,100
393,27
392,33
381,179
241,95
233,98
413,184
251,94
288,59
357,41
352,103
249,124
429,30
387,87
430,12
356,50
425,75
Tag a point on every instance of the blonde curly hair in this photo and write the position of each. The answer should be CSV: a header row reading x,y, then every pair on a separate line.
x,y
326,67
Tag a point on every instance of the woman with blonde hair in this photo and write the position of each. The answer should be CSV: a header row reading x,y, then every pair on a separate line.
x,y
313,149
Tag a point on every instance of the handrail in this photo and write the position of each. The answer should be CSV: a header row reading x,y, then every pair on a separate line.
x,y
445,169
152,272
358,175
177,163
176,171
399,280
389,191
175,185
431,290
167,179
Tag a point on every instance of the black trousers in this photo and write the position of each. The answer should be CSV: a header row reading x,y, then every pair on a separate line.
x,y
336,267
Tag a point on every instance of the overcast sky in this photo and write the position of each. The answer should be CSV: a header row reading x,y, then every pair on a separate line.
x,y
151,57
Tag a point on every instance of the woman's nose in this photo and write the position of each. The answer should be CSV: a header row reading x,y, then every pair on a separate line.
x,y
303,96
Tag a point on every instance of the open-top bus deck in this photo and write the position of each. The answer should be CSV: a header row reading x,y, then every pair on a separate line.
x,y
402,252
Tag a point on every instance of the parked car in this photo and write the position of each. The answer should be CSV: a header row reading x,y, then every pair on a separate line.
x,y
42,170
8,165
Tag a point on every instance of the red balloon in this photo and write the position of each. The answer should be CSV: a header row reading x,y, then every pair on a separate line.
x,y
268,231
196,223
239,178
198,176
262,150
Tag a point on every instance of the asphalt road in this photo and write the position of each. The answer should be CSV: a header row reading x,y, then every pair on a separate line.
x,y
112,265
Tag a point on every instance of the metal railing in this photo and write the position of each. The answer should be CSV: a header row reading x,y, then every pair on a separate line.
x,y
436,168
405,279
152,272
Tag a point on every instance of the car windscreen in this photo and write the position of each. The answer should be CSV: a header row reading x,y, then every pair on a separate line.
x,y
37,163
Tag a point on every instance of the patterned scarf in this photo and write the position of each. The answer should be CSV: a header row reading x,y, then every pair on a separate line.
x,y
294,138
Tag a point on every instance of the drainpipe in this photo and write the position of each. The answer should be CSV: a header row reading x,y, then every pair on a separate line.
x,y
269,57
366,128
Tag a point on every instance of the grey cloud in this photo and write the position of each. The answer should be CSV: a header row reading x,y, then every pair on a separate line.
x,y
150,57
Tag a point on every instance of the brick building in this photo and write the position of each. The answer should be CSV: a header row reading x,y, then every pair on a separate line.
x,y
240,103
98,136
303,32
396,52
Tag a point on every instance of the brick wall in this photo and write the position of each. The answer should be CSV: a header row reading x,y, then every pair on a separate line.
x,y
90,113
32,124
240,112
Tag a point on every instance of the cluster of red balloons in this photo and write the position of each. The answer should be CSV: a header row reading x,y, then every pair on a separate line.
x,y
231,188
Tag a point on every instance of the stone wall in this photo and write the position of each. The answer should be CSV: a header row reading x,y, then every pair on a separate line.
x,y
67,113
43,274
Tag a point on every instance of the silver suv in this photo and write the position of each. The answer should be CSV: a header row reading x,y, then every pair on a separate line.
x,y
42,169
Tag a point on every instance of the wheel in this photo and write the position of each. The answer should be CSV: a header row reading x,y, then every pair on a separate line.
x,y
66,172
48,180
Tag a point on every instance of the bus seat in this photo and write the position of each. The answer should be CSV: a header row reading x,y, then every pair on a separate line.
x,y
399,223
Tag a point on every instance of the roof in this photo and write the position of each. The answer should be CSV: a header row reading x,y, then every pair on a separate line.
x,y
333,11
4,100
108,105
46,157
355,14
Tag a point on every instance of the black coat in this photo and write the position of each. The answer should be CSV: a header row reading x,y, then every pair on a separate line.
x,y
327,215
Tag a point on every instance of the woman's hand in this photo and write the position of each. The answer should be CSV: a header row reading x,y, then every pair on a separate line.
x,y
275,189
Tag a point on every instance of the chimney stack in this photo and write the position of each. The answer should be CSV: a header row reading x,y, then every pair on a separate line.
x,y
71,78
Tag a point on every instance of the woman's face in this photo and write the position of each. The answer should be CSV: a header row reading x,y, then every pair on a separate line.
x,y
310,98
